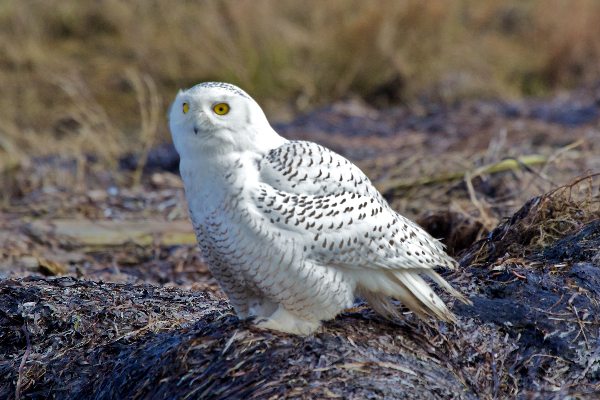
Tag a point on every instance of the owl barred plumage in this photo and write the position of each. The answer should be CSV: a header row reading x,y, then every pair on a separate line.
x,y
291,230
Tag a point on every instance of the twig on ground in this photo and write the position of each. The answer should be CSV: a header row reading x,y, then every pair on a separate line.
x,y
558,152
23,361
590,362
504,165
489,222
494,372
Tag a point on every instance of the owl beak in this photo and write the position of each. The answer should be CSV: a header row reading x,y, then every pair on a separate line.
x,y
195,129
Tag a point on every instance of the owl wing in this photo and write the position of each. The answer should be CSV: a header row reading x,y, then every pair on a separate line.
x,y
325,203
329,199
306,168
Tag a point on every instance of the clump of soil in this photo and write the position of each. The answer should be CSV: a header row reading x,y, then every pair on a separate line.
x,y
537,277
540,223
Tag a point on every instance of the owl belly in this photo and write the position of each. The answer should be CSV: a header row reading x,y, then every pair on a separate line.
x,y
253,263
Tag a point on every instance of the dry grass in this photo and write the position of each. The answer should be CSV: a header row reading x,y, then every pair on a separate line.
x,y
66,87
541,222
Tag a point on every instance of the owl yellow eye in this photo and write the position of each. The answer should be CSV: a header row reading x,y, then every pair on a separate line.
x,y
221,108
186,108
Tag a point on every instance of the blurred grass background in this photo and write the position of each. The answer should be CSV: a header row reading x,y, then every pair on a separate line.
x,y
98,76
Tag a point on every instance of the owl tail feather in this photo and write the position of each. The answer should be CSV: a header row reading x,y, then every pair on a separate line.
x,y
408,287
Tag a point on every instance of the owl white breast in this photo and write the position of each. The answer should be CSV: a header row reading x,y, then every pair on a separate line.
x,y
291,230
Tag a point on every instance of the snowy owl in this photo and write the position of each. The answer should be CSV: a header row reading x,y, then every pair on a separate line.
x,y
292,231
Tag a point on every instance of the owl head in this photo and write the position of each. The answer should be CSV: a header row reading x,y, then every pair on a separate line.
x,y
215,118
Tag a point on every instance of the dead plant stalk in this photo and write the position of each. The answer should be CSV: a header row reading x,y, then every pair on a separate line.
x,y
23,361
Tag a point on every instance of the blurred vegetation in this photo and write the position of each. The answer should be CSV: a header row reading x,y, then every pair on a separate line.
x,y
79,76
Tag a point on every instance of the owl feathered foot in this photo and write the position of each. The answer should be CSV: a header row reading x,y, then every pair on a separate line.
x,y
284,321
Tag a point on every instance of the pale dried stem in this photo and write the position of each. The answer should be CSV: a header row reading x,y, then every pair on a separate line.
x,y
23,361
488,221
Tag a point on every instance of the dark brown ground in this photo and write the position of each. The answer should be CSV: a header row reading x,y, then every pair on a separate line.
x,y
142,318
